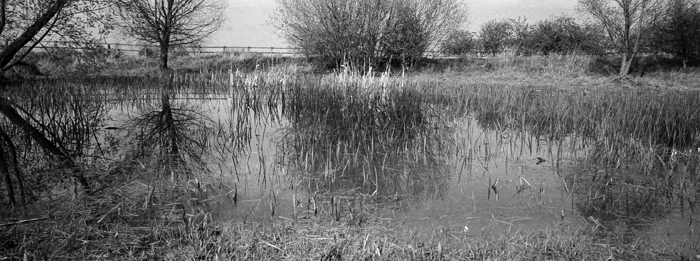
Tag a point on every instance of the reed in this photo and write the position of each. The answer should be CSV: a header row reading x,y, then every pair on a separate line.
x,y
639,139
380,133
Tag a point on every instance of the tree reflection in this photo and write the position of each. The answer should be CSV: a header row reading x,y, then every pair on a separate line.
x,y
44,135
170,137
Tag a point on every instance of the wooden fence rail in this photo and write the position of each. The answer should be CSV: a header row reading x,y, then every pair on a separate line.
x,y
135,49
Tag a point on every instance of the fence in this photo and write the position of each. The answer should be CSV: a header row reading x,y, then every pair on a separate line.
x,y
135,49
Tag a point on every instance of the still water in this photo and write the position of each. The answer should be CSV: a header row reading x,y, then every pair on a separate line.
x,y
477,182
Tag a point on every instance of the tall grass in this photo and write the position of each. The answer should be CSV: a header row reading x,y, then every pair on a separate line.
x,y
380,133
642,143
553,64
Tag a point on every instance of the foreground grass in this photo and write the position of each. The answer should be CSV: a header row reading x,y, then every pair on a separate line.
x,y
93,228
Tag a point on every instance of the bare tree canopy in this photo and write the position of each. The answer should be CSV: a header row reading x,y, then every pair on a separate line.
x,y
366,32
628,23
170,23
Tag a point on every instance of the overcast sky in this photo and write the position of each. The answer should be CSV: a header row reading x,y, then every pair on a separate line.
x,y
248,20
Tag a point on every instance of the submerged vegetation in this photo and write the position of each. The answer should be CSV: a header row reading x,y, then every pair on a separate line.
x,y
280,163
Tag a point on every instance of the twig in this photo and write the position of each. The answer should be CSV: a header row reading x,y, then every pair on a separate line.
x,y
271,245
110,211
23,221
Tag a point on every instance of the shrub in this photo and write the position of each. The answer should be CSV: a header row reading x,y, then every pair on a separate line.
x,y
495,36
457,43
679,33
362,33
148,51
563,35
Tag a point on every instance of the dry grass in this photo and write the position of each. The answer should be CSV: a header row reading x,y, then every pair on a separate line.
x,y
131,217
573,72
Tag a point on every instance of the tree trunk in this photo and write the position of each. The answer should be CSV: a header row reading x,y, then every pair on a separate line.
x,y
169,122
172,142
8,177
625,68
15,164
164,56
9,52
3,9
14,117
626,64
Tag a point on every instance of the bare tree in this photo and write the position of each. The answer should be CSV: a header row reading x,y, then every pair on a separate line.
x,y
628,24
170,23
25,25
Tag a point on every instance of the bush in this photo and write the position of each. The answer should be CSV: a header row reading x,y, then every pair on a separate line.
x,y
361,34
562,35
88,58
495,36
179,51
679,33
148,51
457,43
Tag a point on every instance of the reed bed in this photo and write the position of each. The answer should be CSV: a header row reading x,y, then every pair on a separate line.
x,y
379,133
621,119
642,145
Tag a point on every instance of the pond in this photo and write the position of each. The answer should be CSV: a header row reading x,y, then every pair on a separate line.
x,y
449,163
450,176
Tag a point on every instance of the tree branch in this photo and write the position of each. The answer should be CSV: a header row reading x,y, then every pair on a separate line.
x,y
9,52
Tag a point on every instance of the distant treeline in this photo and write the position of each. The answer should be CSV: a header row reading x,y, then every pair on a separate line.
x,y
675,32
